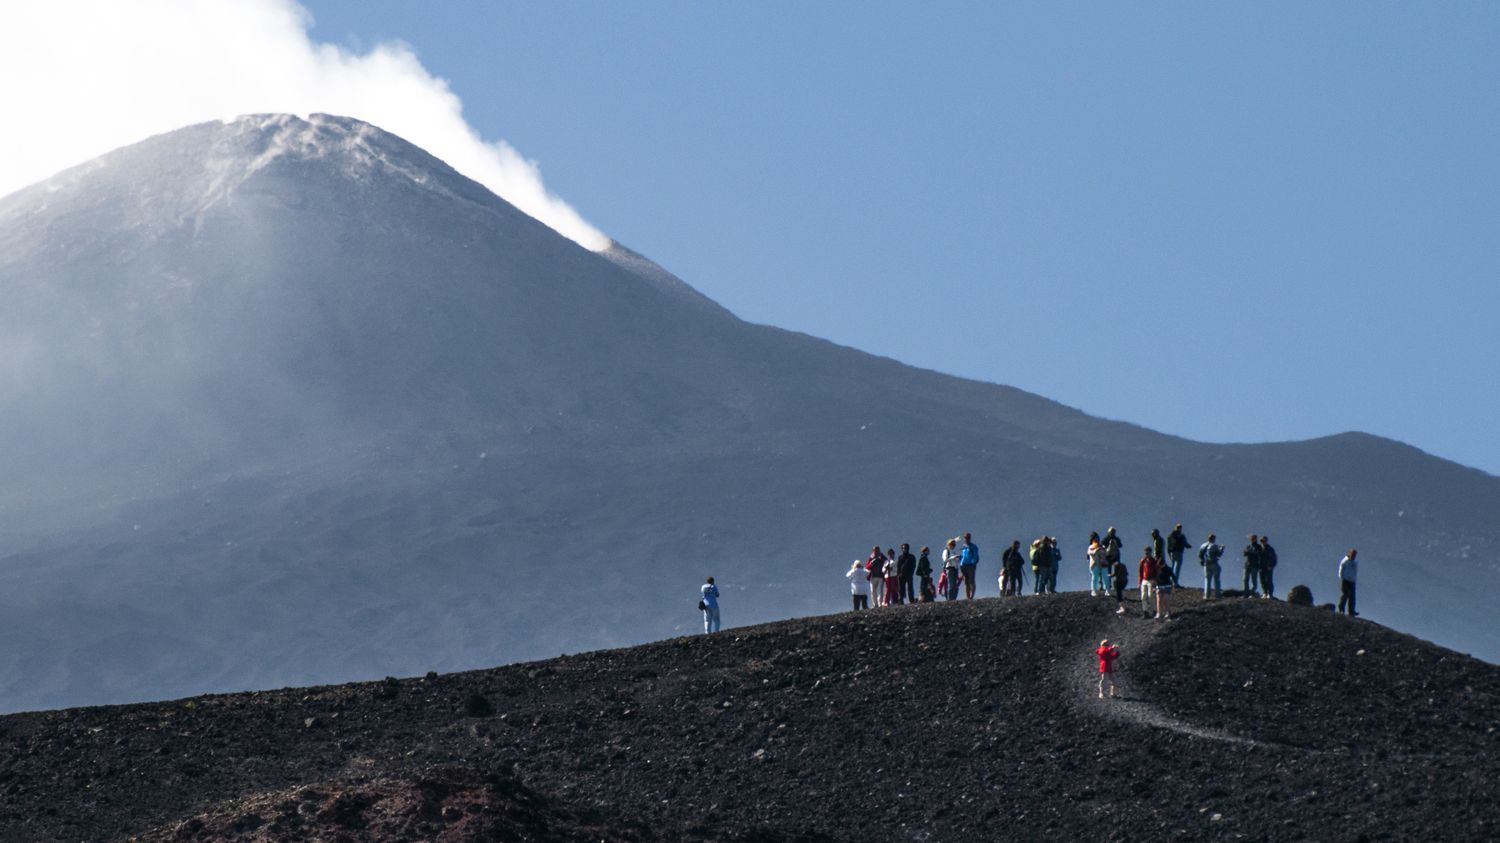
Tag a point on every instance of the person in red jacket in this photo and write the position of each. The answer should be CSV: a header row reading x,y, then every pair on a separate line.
x,y
1107,654
1150,570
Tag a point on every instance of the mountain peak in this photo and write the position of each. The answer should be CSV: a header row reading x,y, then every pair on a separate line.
x,y
356,148
178,176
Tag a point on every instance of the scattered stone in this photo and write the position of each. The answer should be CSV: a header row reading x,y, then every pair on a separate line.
x,y
477,705
645,734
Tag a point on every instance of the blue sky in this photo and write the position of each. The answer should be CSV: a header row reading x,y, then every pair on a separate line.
x,y
1232,223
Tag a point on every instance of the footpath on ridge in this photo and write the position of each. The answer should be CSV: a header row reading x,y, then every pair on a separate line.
x,y
1136,636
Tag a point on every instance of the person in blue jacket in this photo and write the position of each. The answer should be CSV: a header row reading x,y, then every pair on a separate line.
x,y
968,563
710,605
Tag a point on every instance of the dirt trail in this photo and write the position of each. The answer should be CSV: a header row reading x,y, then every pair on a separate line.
x,y
1134,635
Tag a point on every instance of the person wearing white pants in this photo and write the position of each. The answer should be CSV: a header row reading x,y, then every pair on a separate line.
x,y
1150,570
710,604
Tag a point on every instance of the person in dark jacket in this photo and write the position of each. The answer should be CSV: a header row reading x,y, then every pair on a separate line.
x,y
1112,546
1158,545
1267,568
875,575
1119,577
1251,553
1177,543
906,566
1010,570
924,573
1040,556
1055,554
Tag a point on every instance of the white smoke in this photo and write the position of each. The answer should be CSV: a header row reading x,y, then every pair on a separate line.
x,y
81,77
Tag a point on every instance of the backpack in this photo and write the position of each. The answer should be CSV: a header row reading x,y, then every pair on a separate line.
x,y
1112,550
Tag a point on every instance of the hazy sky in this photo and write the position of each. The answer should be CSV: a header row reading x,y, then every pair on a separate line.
x,y
1229,222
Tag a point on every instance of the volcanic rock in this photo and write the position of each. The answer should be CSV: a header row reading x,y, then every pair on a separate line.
x,y
1237,720
1300,595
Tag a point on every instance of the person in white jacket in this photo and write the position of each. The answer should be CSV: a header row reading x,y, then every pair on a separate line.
x,y
857,585
710,603
1348,571
951,555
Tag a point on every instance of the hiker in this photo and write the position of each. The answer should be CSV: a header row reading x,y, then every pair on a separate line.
x,y
1119,577
1055,557
924,571
1164,588
950,570
1150,567
1004,555
892,579
1176,544
1267,568
709,603
1107,655
1098,572
1010,571
906,566
1158,546
1112,546
1348,569
857,584
1252,566
875,574
1039,557
968,564
1208,556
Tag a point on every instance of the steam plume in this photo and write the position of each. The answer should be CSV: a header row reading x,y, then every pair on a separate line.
x,y
81,77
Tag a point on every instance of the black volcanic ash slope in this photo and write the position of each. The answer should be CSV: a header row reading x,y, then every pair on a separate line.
x,y
946,722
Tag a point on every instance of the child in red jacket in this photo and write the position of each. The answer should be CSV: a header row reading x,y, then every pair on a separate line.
x,y
1107,655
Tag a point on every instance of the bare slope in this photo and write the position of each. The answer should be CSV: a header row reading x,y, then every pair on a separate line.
x,y
289,401
941,722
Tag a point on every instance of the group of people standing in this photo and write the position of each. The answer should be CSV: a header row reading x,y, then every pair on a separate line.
x,y
889,578
885,578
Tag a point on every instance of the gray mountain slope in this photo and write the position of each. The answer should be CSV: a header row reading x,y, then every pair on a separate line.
x,y
290,401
